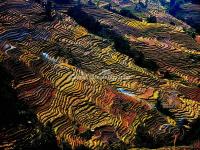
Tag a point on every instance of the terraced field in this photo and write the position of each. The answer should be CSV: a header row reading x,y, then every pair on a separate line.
x,y
167,45
93,94
141,12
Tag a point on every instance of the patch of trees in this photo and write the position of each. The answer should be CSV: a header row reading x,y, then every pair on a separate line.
x,y
127,13
191,32
152,19
84,19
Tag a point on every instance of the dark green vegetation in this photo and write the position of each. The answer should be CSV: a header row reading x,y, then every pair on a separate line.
x,y
191,32
129,14
151,19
